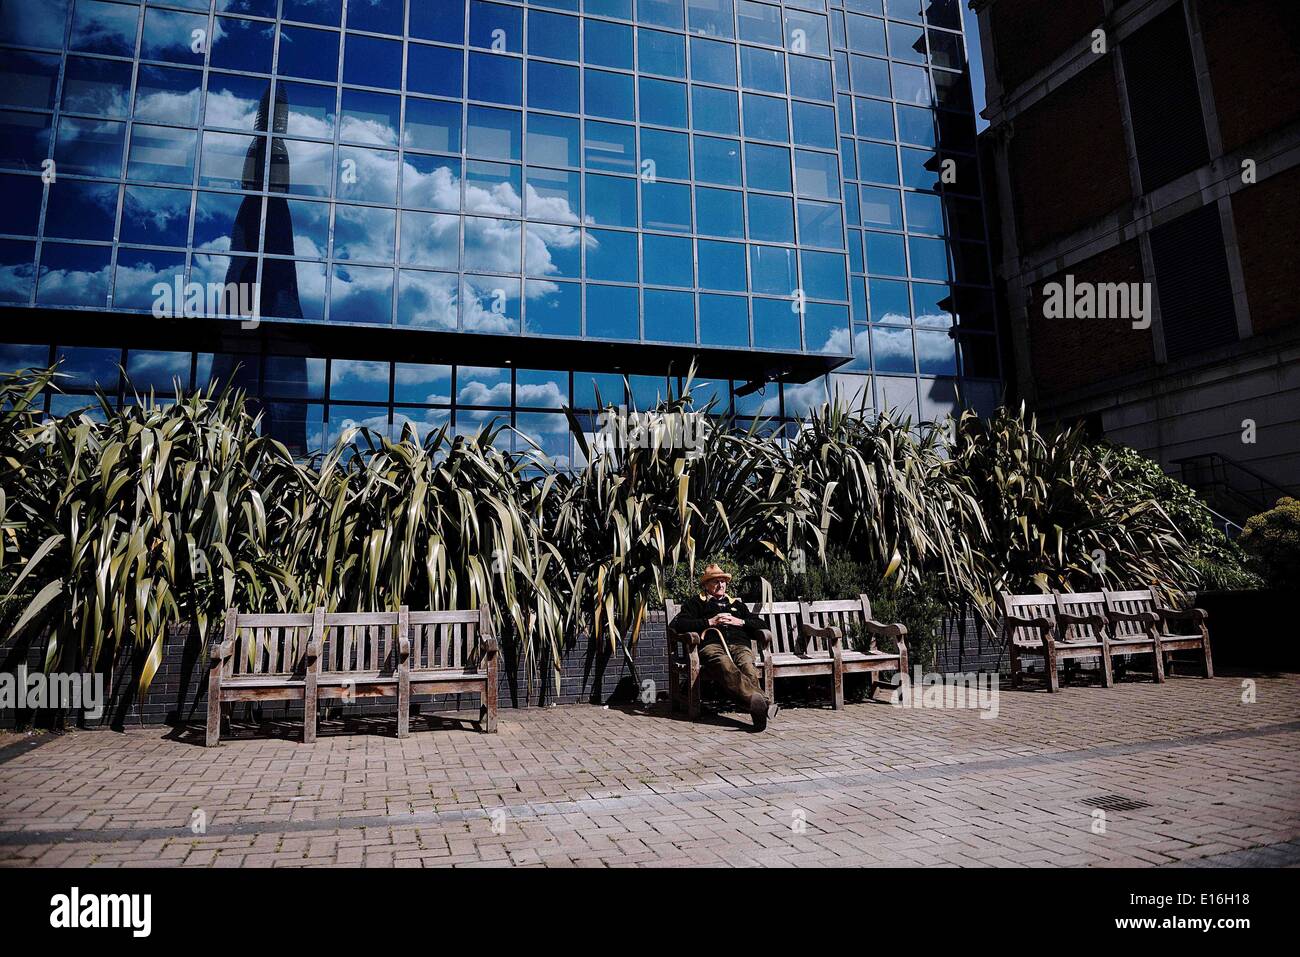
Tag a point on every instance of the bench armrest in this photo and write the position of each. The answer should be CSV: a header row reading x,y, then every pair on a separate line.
x,y
1065,618
221,651
1197,615
403,647
490,646
690,639
1146,617
1042,624
834,637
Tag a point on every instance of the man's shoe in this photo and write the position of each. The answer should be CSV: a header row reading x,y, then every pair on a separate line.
x,y
760,710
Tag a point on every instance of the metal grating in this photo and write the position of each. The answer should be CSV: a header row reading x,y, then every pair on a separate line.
x,y
1115,802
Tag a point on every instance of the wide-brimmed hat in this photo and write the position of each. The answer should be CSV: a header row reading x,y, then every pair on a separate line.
x,y
712,573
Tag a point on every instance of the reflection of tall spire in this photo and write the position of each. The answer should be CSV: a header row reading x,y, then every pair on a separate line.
x,y
279,289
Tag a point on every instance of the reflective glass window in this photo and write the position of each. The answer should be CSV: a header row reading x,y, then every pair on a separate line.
x,y
435,70
438,20
667,261
495,26
759,22
80,210
490,304
174,37
714,110
361,294
820,224
767,167
492,245
713,62
771,218
663,102
553,309
776,324
495,78
73,275
91,147
666,206
97,27
367,175
552,86
430,239
661,53
553,140
433,125
810,78
722,265
166,95
608,94
611,200
669,154
429,300
610,146
308,53
364,233
370,118
762,69
98,87
669,316
161,154
612,312
773,270
242,45
717,161
493,188
552,35
718,212
607,44
724,320
765,118
611,255
493,134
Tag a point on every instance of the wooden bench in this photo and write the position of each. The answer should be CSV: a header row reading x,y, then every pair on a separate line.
x,y
831,623
1036,625
801,639
1140,613
350,655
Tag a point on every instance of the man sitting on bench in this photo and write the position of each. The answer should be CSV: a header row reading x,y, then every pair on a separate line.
x,y
726,628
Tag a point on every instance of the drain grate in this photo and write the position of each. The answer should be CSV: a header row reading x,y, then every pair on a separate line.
x,y
1115,802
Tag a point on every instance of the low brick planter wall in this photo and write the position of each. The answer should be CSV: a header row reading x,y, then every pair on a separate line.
x,y
589,673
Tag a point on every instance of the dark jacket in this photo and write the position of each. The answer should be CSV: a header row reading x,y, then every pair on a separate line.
x,y
696,612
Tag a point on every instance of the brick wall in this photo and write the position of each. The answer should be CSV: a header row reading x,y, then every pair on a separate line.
x,y
1252,49
1266,215
1068,159
1069,353
1029,34
589,674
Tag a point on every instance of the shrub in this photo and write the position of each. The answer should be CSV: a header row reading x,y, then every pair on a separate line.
x,y
1274,538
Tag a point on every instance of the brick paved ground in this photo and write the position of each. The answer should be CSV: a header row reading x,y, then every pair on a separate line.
x,y
580,785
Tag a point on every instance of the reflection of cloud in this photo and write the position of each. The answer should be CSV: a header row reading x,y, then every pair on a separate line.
x,y
363,233
167,106
16,281
428,299
439,189
478,392
74,286
135,281
374,177
372,132
492,244
361,294
498,198
430,239
541,206
546,393
802,398
491,304
95,26
542,238
225,108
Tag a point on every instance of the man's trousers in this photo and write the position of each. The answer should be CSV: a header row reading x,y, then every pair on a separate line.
x,y
739,678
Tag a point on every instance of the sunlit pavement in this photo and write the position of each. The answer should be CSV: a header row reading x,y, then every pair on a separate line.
x,y
1139,774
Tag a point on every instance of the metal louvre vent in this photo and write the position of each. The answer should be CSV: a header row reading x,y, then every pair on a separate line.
x,y
1164,102
1115,802
1192,281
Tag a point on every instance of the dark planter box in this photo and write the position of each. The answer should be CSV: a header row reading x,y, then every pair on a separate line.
x,y
1253,630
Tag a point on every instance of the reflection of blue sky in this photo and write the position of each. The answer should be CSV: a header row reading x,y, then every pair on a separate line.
x,y
96,27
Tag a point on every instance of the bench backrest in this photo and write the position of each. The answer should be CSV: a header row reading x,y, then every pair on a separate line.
x,y
781,618
361,641
846,614
449,640
273,645
1130,602
1028,606
1082,603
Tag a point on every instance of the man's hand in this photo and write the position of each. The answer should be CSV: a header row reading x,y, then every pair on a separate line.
x,y
725,619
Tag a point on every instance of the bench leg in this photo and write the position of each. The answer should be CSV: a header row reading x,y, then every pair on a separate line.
x,y
489,706
214,706
693,686
837,682
1017,676
403,701
309,699
1049,663
1158,661
1107,666
674,686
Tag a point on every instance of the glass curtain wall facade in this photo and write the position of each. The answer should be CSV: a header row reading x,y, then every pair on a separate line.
x,y
719,175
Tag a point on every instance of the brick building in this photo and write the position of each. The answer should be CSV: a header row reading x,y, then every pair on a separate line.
x,y
1154,142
